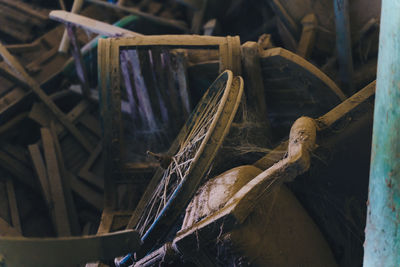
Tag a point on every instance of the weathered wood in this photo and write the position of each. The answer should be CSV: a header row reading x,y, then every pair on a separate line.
x,y
287,37
61,218
41,173
91,123
62,4
253,78
295,87
10,124
85,192
64,45
66,183
91,25
181,76
284,16
7,230
307,39
85,173
25,8
17,67
346,106
211,27
12,201
49,252
198,17
17,169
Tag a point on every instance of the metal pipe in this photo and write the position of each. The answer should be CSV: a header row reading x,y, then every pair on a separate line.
x,y
382,240
343,44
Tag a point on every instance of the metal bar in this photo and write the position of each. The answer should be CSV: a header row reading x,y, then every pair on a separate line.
x,y
343,44
382,241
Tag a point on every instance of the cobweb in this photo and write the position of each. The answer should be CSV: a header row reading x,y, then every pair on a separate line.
x,y
180,165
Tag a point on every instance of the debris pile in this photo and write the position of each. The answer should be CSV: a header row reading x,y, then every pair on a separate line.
x,y
185,132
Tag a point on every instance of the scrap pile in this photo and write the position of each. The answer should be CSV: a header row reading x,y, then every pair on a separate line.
x,y
113,148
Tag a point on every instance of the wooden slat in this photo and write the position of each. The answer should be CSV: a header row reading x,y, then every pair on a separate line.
x,y
7,230
24,76
64,44
66,183
91,25
41,173
18,170
63,227
254,82
307,39
88,194
12,200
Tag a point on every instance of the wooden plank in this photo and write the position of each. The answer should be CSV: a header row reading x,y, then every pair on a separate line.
x,y
254,81
91,25
26,9
64,44
49,252
172,40
307,39
12,200
66,183
85,173
91,123
41,173
181,76
88,194
18,170
284,16
61,218
24,76
346,106
7,230
11,123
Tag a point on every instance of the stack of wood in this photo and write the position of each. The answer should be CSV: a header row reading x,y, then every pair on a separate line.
x,y
52,115
22,21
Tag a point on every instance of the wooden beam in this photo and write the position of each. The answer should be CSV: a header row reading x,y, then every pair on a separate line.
x,y
66,183
64,44
63,227
254,81
12,201
7,230
307,39
91,25
24,76
41,173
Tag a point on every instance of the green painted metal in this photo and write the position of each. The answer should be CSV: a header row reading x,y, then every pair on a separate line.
x,y
382,242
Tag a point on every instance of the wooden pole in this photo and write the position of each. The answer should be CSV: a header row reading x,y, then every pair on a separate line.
x,y
382,240
64,45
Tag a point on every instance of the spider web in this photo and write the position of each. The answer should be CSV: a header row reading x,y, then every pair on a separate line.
x,y
181,163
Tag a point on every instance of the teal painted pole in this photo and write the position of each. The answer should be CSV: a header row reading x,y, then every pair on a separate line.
x,y
382,240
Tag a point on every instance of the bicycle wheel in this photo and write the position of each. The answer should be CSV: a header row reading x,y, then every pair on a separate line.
x,y
192,154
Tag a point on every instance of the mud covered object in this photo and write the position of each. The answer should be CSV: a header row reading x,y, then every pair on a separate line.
x,y
278,232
